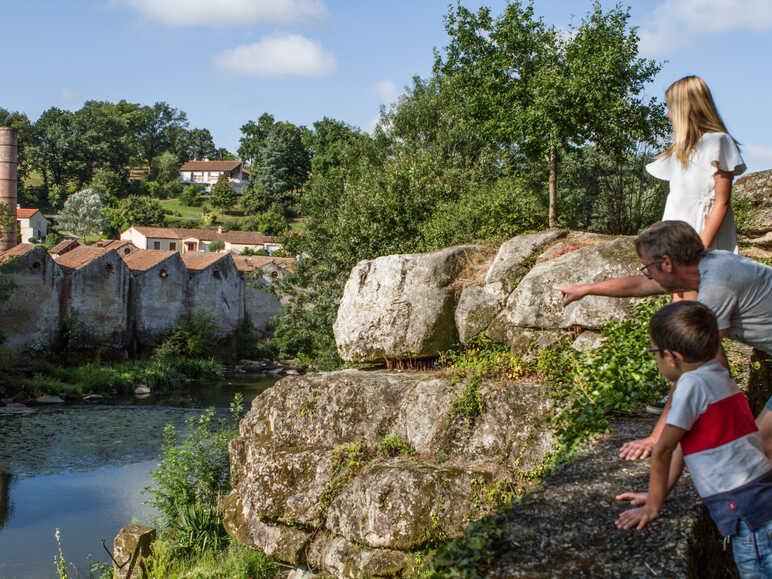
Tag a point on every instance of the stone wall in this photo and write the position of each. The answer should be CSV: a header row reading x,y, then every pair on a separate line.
x,y
157,300
219,291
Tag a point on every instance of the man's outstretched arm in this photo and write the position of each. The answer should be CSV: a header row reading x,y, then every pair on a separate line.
x,y
637,286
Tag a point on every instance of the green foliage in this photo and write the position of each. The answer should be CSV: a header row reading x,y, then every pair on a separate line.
x,y
109,185
613,379
135,210
469,401
167,168
273,221
467,556
170,190
345,462
193,337
193,477
394,445
216,245
191,196
223,196
743,209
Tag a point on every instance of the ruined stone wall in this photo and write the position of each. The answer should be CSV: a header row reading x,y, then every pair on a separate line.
x,y
260,305
98,302
31,317
219,292
157,301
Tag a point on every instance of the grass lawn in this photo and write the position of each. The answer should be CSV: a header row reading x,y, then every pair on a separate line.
x,y
174,207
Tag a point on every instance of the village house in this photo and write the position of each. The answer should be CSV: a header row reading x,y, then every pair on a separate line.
x,y
30,318
215,288
95,292
156,294
193,240
65,245
32,224
270,268
122,246
207,173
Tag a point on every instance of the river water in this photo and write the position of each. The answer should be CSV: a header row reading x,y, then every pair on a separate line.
x,y
82,469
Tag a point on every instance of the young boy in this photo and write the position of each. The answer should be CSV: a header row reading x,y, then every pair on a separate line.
x,y
713,424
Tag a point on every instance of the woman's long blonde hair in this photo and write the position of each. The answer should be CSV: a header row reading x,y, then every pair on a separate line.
x,y
692,114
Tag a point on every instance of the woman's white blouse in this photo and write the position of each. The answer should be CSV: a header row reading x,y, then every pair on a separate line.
x,y
692,187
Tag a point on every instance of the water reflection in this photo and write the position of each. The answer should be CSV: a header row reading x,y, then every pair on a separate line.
x,y
82,468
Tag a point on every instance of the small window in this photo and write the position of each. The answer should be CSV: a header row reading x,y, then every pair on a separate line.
x,y
109,267
274,274
216,274
156,245
163,274
36,265
126,251
172,246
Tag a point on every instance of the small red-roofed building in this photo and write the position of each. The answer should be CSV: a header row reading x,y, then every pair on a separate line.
x,y
65,245
195,240
33,225
95,292
215,289
206,173
30,317
156,294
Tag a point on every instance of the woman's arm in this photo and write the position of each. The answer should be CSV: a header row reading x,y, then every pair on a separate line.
x,y
722,181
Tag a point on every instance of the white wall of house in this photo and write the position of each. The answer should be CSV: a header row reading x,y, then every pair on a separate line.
x,y
36,227
209,178
143,242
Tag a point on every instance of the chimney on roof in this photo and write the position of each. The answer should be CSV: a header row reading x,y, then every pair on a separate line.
x,y
8,162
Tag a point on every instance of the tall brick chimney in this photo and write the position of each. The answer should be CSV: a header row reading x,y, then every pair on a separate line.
x,y
8,161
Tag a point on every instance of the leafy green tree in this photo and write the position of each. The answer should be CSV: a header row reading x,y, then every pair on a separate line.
x,y
134,210
109,185
82,214
272,222
191,195
284,162
157,129
216,245
254,137
195,144
167,168
223,154
53,149
223,196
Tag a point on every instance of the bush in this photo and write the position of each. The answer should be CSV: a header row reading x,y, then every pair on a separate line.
x,y
191,196
171,190
216,245
194,337
192,479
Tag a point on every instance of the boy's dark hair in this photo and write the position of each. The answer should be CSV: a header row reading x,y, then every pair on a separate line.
x,y
677,239
689,328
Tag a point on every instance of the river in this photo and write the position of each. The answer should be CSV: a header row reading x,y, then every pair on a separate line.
x,y
82,469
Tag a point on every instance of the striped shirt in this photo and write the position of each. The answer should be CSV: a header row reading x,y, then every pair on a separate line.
x,y
722,448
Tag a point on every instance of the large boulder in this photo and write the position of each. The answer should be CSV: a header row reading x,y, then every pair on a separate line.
x,y
535,304
400,306
313,483
753,194
479,305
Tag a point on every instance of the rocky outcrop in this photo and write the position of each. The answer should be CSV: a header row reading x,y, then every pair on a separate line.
x,y
404,306
753,204
348,471
400,306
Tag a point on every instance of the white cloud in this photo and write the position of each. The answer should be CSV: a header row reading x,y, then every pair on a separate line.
x,y
227,12
758,158
675,24
387,92
291,55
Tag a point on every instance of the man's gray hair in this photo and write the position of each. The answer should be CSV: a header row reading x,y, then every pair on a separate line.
x,y
676,239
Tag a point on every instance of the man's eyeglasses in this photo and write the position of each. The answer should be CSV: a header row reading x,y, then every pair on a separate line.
x,y
653,351
645,269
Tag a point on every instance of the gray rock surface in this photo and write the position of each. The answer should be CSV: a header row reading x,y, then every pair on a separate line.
x,y
755,191
310,485
535,304
400,306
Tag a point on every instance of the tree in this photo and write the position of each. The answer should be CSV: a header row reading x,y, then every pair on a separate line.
x,y
54,149
191,195
223,196
254,136
167,168
195,144
272,222
109,185
157,129
134,210
284,162
82,214
216,245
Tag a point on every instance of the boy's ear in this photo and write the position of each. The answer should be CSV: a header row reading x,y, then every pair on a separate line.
x,y
667,264
676,356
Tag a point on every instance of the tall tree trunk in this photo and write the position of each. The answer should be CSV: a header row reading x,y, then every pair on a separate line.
x,y
553,209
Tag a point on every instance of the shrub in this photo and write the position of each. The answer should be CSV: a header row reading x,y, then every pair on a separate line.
x,y
194,337
193,477
191,196
216,245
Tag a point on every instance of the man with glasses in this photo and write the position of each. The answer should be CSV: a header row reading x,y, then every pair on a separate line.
x,y
737,289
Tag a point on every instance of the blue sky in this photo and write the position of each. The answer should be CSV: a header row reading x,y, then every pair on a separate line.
x,y
225,62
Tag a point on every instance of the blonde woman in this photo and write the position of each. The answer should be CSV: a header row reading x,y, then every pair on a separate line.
x,y
700,165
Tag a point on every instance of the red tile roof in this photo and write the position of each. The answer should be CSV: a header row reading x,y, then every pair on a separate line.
x,y
253,262
25,213
237,237
80,256
16,251
64,246
144,259
210,165
200,260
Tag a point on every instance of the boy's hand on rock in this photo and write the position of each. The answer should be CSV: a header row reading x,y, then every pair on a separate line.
x,y
637,449
637,518
634,498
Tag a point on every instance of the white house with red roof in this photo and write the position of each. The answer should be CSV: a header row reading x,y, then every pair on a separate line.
x,y
207,173
187,240
33,226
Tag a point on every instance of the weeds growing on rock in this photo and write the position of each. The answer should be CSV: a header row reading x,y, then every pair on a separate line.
x,y
393,445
